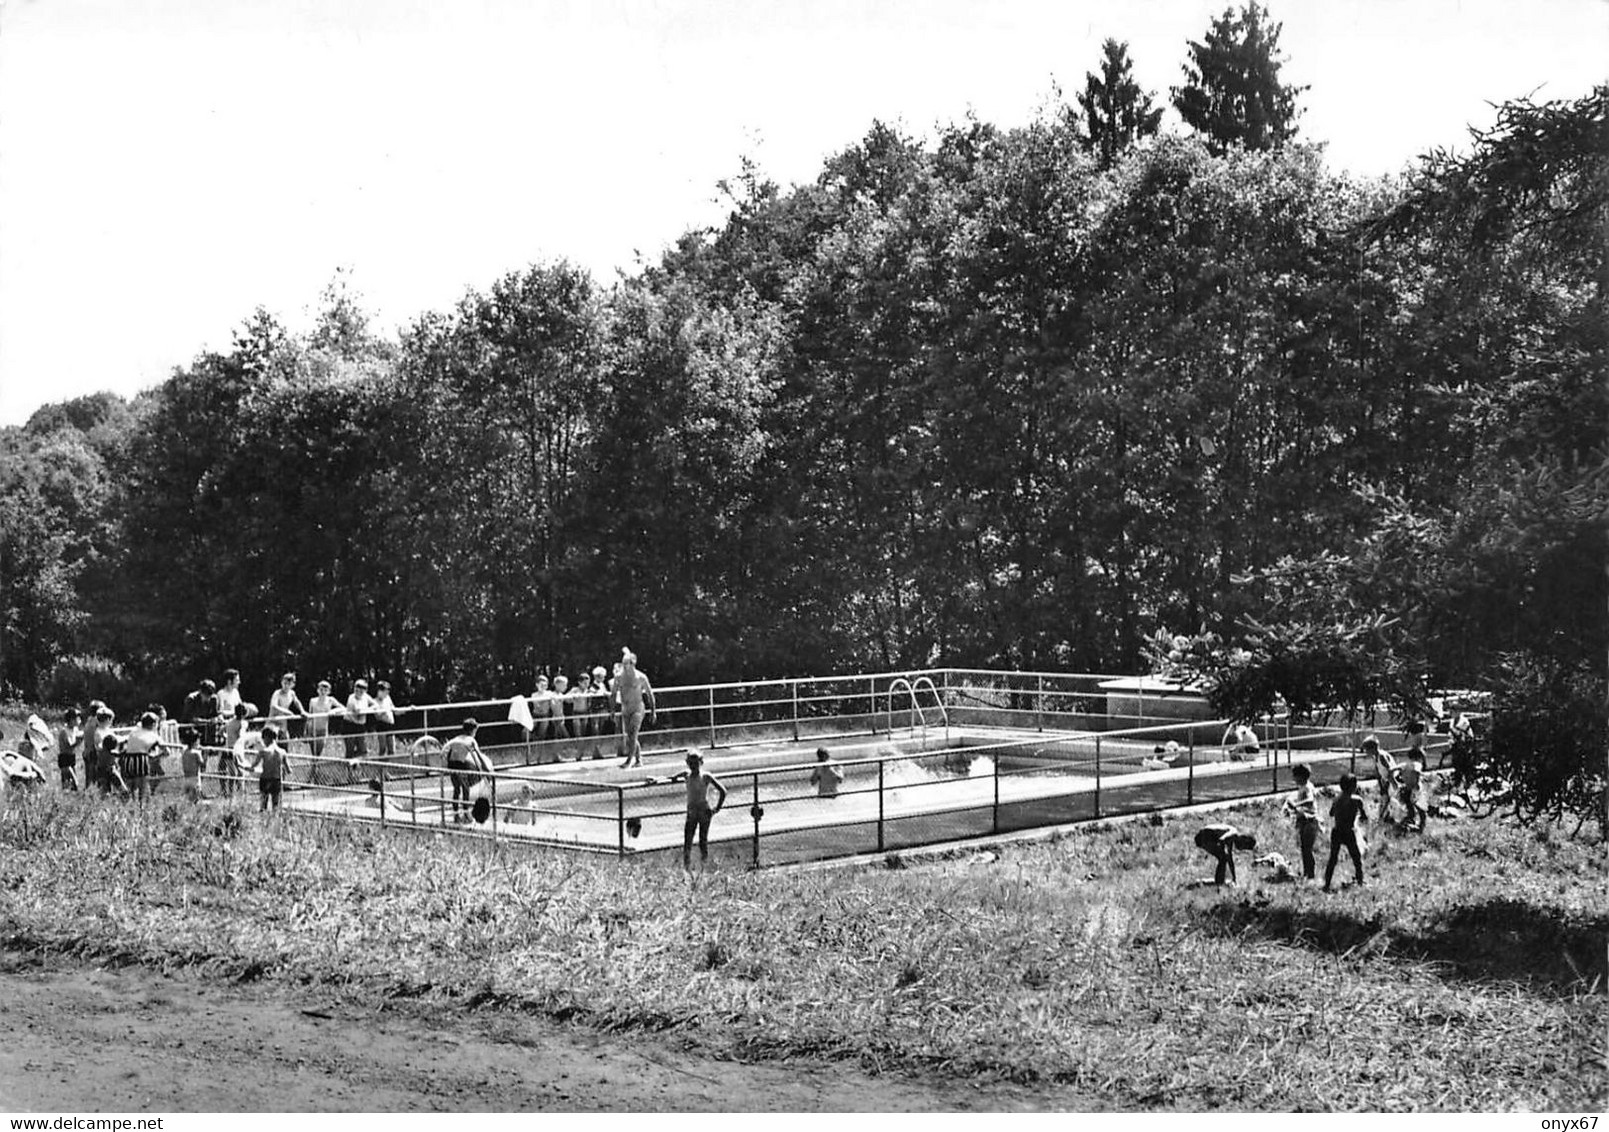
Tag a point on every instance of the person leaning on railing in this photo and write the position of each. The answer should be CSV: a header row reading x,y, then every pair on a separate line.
x,y
320,710
542,708
201,711
581,711
599,706
562,728
284,706
384,720
359,705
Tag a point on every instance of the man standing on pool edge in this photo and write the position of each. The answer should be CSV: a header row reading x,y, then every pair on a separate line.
x,y
635,693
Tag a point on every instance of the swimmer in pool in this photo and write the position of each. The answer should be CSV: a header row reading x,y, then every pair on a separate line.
x,y
826,777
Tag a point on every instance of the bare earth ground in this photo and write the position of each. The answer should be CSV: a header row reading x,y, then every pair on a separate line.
x,y
90,1039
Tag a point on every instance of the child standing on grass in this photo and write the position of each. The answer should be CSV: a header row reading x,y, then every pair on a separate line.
x,y
106,764
1385,773
68,736
1345,813
190,760
1220,840
142,745
233,745
95,729
271,770
1303,805
699,810
1410,776
1460,749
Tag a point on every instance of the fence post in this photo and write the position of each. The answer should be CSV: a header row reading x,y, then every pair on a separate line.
x,y
620,818
1190,778
755,813
413,798
1097,776
995,820
494,808
1039,707
796,711
382,794
712,717
880,805
871,693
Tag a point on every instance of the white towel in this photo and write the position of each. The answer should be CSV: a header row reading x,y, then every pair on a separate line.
x,y
520,712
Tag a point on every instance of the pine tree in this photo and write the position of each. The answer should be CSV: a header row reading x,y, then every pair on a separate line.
x,y
1233,95
1117,112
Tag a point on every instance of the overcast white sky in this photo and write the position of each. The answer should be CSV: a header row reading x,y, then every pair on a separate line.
x,y
166,166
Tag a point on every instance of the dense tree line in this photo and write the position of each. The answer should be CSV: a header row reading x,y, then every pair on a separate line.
x,y
1018,396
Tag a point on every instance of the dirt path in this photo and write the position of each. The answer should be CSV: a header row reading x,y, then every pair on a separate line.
x,y
91,1040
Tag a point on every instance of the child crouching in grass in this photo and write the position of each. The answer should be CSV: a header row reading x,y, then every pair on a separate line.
x,y
1345,813
1220,841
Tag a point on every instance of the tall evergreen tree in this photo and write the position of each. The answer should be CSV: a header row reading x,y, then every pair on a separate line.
x,y
1117,113
1232,94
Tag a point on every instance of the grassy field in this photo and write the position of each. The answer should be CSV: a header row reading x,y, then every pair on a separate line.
x,y
1469,974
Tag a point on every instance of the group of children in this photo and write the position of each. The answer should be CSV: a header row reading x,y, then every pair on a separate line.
x,y
1402,781
132,766
584,715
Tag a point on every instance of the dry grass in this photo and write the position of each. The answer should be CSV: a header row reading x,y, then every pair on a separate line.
x,y
1468,975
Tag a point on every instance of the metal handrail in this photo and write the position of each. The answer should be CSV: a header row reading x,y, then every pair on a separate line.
x,y
911,686
915,707
944,714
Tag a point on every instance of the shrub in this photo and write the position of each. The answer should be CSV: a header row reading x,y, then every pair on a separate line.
x,y
79,679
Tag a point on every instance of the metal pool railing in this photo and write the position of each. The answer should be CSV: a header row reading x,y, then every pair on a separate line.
x,y
1017,751
718,715
889,798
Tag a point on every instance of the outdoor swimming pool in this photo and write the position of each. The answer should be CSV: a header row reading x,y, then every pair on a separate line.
x,y
914,786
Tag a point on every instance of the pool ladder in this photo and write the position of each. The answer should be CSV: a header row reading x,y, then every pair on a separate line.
x,y
911,688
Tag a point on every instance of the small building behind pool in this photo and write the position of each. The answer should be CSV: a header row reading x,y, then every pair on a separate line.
x,y
1129,699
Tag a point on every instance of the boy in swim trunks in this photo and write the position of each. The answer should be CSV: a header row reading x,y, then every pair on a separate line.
x,y
699,810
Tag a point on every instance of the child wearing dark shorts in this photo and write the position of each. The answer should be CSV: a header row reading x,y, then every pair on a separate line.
x,y
271,770
1303,806
699,810
1345,813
